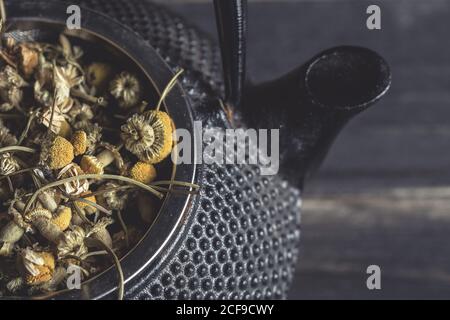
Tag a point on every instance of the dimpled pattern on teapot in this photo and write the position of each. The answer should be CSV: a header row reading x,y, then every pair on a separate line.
x,y
240,240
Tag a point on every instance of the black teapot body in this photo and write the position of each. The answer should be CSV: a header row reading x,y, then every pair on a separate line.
x,y
239,237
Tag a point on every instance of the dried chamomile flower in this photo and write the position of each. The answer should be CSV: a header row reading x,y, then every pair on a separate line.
x,y
41,218
91,165
86,207
65,78
6,138
79,142
11,84
71,53
65,130
8,164
99,231
42,96
93,135
58,154
10,234
126,89
72,243
96,164
13,231
74,187
112,199
98,74
148,136
10,77
29,59
143,172
15,285
57,121
81,115
62,218
48,200
12,96
115,153
38,266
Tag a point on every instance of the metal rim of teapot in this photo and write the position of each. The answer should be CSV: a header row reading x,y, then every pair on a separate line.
x,y
150,249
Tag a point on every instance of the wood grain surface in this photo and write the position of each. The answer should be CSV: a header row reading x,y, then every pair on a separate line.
x,y
382,196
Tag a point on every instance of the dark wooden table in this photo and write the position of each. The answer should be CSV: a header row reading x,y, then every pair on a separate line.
x,y
382,196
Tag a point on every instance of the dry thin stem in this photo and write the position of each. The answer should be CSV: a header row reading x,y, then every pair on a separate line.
x,y
95,205
2,17
176,183
16,173
99,192
124,227
91,176
175,191
53,108
10,184
97,100
17,148
116,262
168,88
27,128
93,254
7,59
81,214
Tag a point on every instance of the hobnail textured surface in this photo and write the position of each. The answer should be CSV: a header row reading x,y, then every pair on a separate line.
x,y
240,240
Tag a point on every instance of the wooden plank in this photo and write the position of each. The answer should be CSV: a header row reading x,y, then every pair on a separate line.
x,y
402,230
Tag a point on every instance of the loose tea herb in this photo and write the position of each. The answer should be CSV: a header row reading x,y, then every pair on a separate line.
x,y
67,177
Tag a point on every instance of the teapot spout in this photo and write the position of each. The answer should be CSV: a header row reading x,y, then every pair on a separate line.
x,y
311,104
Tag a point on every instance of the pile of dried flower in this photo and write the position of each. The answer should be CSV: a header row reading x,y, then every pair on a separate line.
x,y
66,174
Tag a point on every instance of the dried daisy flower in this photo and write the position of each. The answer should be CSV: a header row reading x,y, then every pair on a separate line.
x,y
13,231
126,89
62,218
86,207
8,164
15,285
72,243
12,96
111,199
10,77
38,266
148,136
75,187
11,84
93,135
71,53
96,164
57,154
44,97
48,200
80,142
81,115
10,234
44,72
6,138
29,59
41,218
65,78
99,231
98,74
143,172
57,121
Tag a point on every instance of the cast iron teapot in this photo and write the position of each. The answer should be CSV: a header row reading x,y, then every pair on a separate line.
x,y
239,237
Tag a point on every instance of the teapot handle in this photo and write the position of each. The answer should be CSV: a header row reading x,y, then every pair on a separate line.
x,y
231,18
